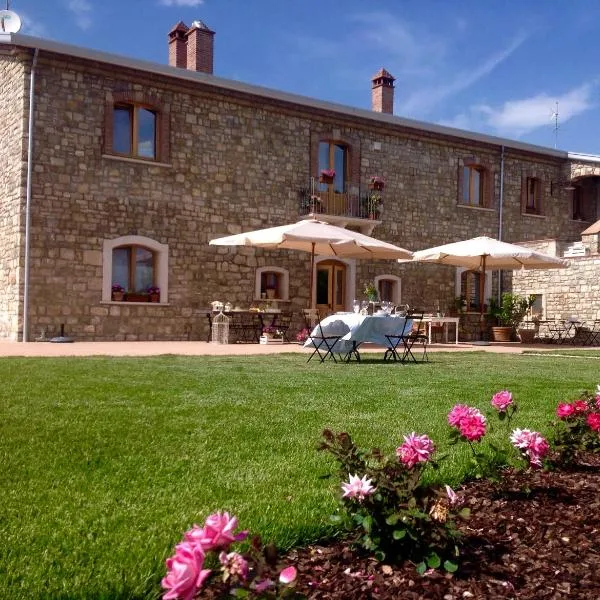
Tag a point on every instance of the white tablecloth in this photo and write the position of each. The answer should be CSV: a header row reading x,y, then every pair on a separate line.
x,y
355,329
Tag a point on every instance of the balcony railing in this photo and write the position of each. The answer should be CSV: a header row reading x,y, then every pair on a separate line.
x,y
352,202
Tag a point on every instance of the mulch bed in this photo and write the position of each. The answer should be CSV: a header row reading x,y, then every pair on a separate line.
x,y
538,537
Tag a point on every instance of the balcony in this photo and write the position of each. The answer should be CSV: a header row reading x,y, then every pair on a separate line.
x,y
350,206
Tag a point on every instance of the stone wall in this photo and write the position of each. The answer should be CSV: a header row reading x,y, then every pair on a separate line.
x,y
12,188
237,162
567,292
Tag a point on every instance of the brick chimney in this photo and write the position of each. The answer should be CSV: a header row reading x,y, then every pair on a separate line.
x,y
178,46
382,94
200,41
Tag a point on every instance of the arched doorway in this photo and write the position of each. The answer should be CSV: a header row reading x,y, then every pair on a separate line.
x,y
331,286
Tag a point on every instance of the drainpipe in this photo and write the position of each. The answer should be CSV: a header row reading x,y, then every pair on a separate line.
x,y
28,198
500,209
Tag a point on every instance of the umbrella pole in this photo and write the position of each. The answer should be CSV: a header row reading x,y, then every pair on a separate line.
x,y
481,294
312,269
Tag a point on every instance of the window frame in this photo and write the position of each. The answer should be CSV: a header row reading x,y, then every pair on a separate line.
x,y
333,144
136,100
487,285
535,209
133,266
160,258
397,286
134,109
486,184
283,282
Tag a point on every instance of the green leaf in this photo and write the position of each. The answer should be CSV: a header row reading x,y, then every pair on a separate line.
x,y
398,534
450,567
367,523
335,518
421,568
392,519
379,555
434,561
465,513
240,593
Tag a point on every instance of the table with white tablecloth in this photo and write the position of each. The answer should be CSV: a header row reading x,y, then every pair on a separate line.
x,y
355,329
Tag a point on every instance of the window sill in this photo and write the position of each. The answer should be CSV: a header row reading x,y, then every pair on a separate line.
x,y
534,215
125,302
473,207
138,161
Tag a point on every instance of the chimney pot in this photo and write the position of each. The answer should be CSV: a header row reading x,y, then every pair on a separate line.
x,y
382,93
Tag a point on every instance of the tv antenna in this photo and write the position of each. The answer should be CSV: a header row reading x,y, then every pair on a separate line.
x,y
554,117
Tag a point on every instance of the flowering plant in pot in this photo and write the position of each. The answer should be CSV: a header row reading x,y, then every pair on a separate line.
x,y
371,292
327,176
376,182
154,293
117,292
509,314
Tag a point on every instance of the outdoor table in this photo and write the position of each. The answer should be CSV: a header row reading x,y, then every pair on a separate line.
x,y
356,329
430,321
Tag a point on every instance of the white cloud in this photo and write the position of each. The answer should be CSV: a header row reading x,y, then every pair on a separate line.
x,y
516,118
425,99
31,27
181,2
82,12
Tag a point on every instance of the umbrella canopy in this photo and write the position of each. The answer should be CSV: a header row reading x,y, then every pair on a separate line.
x,y
318,238
481,253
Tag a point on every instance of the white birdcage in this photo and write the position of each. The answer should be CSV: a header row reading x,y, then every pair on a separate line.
x,y
220,329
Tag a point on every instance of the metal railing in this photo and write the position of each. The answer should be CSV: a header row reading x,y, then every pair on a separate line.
x,y
329,199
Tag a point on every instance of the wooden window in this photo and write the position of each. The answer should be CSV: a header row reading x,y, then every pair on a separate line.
x,y
134,268
537,308
579,212
469,289
135,131
334,156
475,186
531,196
271,285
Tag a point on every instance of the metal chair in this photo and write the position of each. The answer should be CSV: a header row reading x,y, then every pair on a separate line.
x,y
417,335
324,344
283,322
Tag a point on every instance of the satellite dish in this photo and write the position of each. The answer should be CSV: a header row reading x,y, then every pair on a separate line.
x,y
10,22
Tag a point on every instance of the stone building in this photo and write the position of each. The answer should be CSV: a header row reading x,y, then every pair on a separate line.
x,y
118,172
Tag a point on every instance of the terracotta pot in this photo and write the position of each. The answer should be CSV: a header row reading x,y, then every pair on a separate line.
x,y
154,297
501,334
527,335
270,293
117,296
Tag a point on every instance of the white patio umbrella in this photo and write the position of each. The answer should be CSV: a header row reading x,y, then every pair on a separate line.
x,y
318,238
481,253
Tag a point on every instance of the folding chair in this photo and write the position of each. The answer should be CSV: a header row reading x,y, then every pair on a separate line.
x,y
418,335
323,344
394,342
282,322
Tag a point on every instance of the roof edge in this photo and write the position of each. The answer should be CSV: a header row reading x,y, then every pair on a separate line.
x,y
228,84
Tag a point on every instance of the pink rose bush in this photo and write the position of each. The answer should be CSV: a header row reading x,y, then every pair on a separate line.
x,y
469,421
577,429
502,400
186,573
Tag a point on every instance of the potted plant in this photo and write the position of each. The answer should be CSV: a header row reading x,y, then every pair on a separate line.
x,y
371,292
327,176
376,183
154,293
137,297
117,292
509,314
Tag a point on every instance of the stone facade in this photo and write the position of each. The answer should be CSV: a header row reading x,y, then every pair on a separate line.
x,y
13,140
236,161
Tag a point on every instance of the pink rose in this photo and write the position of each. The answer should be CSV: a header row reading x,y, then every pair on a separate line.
x,y
564,410
502,400
580,406
533,446
598,401
217,533
416,449
185,575
593,420
457,414
357,488
452,495
472,427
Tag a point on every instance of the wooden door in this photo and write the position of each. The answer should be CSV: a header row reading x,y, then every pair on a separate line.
x,y
331,287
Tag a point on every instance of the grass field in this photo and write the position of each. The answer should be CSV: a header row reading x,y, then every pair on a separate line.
x,y
105,461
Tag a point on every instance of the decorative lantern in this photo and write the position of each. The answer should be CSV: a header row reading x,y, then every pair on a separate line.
x,y
220,329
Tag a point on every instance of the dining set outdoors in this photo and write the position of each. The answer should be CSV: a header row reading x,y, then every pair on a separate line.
x,y
386,326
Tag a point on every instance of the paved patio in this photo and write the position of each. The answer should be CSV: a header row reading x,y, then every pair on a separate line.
x,y
205,348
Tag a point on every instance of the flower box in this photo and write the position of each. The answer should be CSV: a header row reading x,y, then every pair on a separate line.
x,y
265,338
133,297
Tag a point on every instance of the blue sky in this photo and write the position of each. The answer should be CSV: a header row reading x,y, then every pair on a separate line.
x,y
497,67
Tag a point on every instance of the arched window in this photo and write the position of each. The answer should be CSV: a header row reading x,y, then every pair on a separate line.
x,y
136,264
389,288
272,283
469,285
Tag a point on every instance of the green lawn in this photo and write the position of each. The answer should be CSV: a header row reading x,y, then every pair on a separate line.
x,y
105,461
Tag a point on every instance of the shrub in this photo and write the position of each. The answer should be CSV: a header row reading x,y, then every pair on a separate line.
x,y
398,517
